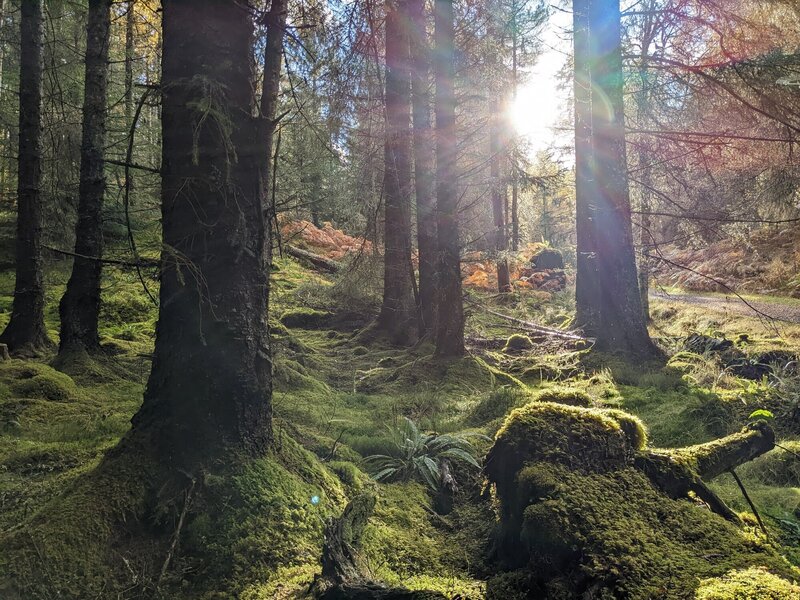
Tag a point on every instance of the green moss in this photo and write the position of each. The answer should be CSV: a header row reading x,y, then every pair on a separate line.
x,y
35,380
576,513
632,426
561,395
360,351
496,404
305,318
63,550
579,437
755,583
517,343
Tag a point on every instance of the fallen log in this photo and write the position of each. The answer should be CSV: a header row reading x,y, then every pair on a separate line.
x,y
684,470
712,459
315,260
342,575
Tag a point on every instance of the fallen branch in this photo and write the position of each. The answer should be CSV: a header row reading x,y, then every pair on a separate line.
x,y
750,502
533,327
712,459
320,262
107,261
684,470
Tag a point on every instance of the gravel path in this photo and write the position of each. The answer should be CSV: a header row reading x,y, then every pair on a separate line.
x,y
789,313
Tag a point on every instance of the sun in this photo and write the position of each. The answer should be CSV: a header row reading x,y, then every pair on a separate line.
x,y
539,105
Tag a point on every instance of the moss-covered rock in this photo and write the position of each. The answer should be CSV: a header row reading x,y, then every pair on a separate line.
x,y
561,395
517,343
579,519
755,583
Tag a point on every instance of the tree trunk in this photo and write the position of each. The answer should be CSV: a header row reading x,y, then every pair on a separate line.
x,y
423,168
586,284
271,83
498,197
209,391
80,305
622,327
514,163
130,56
450,326
646,237
26,331
398,314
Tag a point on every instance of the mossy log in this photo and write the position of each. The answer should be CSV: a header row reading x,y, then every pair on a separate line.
x,y
715,458
342,575
315,260
684,470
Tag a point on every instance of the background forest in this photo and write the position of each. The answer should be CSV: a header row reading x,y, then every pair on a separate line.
x,y
401,299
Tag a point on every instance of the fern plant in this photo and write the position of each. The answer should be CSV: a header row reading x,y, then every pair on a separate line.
x,y
423,457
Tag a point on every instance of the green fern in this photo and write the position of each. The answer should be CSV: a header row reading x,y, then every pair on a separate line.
x,y
421,456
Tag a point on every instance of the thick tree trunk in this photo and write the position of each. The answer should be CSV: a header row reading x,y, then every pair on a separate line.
x,y
26,331
80,305
423,168
450,326
586,284
398,314
622,327
209,391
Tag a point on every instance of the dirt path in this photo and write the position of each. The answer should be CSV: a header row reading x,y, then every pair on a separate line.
x,y
779,309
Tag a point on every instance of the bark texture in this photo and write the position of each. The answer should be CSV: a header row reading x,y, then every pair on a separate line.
x,y
80,306
209,391
621,327
424,180
26,331
450,326
398,310
586,283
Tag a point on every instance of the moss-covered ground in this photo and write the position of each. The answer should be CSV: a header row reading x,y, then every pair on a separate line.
x,y
339,396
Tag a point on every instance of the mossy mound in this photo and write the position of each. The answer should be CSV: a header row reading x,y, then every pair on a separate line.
x,y
305,318
755,583
26,379
517,343
560,395
247,524
578,519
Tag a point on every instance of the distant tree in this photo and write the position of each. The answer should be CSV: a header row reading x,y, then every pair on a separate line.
x,y
398,314
586,284
80,306
450,326
620,325
26,330
209,391
424,179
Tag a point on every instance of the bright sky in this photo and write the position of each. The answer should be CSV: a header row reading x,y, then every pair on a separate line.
x,y
540,104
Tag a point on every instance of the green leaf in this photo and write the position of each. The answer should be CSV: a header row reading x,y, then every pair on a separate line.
x,y
761,413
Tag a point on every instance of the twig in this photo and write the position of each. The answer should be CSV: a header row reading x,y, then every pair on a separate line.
x,y
108,261
750,502
127,197
177,534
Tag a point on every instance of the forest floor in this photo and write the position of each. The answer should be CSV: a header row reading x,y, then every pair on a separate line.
x,y
343,396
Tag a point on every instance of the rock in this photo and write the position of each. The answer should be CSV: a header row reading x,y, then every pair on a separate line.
x,y
548,259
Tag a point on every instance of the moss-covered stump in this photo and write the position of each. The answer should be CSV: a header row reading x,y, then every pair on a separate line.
x,y
579,519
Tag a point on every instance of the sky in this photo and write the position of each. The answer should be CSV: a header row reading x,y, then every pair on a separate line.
x,y
540,104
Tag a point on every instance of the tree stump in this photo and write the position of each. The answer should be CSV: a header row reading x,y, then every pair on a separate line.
x,y
343,575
